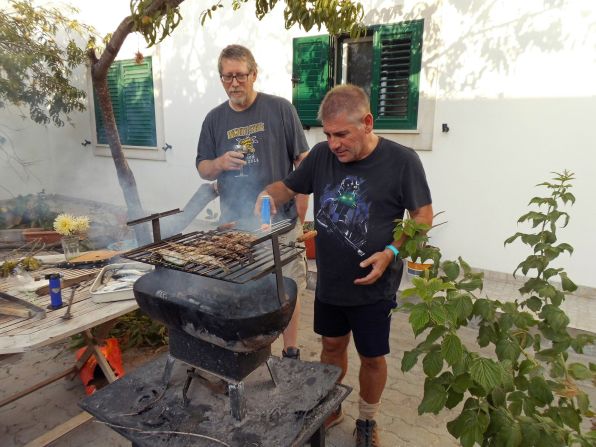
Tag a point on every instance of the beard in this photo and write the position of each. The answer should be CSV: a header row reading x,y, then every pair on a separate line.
x,y
238,98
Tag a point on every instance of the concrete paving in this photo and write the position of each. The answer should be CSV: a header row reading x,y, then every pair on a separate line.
x,y
399,421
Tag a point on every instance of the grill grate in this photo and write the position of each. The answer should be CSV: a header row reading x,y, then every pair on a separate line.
x,y
211,254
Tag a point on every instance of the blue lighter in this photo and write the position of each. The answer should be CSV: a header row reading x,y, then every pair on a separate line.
x,y
55,290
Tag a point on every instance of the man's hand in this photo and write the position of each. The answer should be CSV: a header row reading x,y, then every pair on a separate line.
x,y
379,261
231,161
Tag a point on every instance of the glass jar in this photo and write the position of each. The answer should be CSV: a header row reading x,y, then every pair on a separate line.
x,y
71,247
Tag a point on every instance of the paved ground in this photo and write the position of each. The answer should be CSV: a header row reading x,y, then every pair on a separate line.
x,y
399,421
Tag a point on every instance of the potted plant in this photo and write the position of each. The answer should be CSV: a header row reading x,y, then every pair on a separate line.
x,y
415,249
309,243
30,215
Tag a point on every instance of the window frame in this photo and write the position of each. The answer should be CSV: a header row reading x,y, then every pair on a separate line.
x,y
153,152
412,29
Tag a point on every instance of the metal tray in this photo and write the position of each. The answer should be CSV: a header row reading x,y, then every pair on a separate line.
x,y
98,296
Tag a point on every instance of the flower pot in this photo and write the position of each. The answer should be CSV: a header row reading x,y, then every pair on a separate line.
x,y
310,248
45,236
417,269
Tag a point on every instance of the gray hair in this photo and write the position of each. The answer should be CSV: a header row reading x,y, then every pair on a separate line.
x,y
344,99
239,53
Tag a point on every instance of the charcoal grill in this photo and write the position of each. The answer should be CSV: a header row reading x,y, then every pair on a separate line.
x,y
221,318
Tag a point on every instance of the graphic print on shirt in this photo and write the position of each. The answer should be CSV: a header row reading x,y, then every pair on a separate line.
x,y
246,137
344,212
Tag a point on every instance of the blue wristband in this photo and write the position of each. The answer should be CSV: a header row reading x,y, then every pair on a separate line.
x,y
394,250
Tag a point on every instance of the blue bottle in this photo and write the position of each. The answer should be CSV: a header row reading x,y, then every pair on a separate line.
x,y
55,290
266,213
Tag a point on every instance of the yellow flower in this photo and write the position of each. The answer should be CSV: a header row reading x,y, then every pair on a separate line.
x,y
64,224
68,225
81,224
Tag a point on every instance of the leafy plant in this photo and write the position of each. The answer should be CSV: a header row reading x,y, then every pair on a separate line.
x,y
29,211
134,329
530,394
415,246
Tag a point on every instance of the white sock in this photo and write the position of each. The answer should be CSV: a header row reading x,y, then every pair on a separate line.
x,y
366,410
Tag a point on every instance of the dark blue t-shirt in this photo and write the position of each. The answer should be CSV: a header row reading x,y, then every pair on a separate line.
x,y
355,205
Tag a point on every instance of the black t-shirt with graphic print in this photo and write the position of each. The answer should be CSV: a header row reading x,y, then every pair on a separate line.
x,y
271,132
355,205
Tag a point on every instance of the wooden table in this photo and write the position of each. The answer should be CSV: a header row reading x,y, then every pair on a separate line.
x,y
19,335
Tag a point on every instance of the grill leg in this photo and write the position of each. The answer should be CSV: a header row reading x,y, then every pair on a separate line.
x,y
189,375
272,372
237,400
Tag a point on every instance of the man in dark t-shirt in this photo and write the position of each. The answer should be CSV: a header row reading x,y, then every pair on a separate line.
x,y
247,142
361,184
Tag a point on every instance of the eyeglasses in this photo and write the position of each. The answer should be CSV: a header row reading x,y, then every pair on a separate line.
x,y
240,77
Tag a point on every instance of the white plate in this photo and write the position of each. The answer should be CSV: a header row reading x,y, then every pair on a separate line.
x,y
118,295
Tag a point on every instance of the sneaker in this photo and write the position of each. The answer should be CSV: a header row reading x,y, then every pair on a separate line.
x,y
367,434
335,418
291,353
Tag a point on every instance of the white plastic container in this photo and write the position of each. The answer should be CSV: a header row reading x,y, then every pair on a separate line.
x,y
98,296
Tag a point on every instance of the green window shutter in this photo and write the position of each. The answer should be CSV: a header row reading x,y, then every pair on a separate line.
x,y
131,90
138,120
310,76
396,75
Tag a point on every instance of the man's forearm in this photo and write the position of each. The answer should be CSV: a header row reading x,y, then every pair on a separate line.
x,y
280,193
209,169
301,206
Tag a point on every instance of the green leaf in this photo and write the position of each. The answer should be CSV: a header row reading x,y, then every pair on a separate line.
x,y
432,364
452,349
438,313
419,318
434,398
506,349
461,383
534,303
579,371
583,403
486,372
409,359
566,283
484,308
555,317
570,417
526,366
451,270
539,390
453,399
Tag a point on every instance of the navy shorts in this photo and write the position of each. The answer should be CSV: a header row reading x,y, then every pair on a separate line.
x,y
369,324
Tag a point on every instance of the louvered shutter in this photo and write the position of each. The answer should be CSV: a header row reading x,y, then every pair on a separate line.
x,y
396,75
131,90
310,76
138,120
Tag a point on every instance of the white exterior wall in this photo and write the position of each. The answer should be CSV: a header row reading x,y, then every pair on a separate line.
x,y
513,80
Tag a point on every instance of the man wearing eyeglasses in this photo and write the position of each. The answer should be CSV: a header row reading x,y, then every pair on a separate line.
x,y
246,143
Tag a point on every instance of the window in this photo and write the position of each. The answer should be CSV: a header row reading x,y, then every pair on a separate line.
x,y
131,90
385,63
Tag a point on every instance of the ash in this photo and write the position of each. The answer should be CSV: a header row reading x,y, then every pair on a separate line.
x,y
275,415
